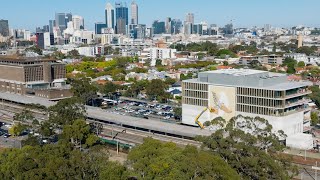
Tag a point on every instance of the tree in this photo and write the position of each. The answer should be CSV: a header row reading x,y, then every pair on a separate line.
x,y
177,112
291,64
307,50
24,116
110,88
66,111
17,129
74,53
301,64
315,95
156,160
158,62
83,89
34,49
156,89
225,63
250,147
77,133
314,118
58,161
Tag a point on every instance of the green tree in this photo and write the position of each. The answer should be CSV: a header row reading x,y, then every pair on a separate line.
x,y
66,111
177,112
254,153
307,50
17,129
74,53
314,118
158,62
83,89
110,88
77,133
156,160
34,49
301,64
291,64
24,116
156,89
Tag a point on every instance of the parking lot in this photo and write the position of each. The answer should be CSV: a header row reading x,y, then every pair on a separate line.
x,y
145,110
6,140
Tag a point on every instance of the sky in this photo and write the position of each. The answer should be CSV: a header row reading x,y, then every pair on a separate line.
x,y
29,14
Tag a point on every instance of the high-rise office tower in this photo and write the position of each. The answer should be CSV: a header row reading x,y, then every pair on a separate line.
x,y
122,18
176,26
168,25
109,15
52,24
98,27
134,13
62,20
159,27
4,27
190,18
78,22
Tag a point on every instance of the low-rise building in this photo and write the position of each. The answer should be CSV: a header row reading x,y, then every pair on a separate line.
x,y
31,76
252,93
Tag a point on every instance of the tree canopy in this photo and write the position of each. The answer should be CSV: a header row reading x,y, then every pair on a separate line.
x,y
243,144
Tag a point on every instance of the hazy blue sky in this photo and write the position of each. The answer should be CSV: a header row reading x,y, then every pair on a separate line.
x,y
31,13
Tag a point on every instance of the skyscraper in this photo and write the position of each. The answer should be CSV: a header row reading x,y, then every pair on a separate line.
x,y
52,24
134,13
109,15
98,27
168,25
4,28
159,27
78,22
122,19
190,18
62,19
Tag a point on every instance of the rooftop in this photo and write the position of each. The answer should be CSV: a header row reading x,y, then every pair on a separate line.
x,y
249,78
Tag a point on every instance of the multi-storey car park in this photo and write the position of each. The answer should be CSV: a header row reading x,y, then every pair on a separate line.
x,y
250,93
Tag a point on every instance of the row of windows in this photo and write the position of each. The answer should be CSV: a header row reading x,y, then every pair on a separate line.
x,y
195,102
59,72
195,94
196,86
256,110
259,92
259,101
33,74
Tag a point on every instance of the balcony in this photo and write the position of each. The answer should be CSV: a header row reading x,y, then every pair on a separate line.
x,y
298,93
298,103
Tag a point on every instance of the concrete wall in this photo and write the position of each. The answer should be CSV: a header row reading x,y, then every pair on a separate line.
x,y
12,73
291,124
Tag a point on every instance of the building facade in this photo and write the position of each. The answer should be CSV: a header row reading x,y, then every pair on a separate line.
x,y
252,93
109,15
4,28
30,76
134,13
122,18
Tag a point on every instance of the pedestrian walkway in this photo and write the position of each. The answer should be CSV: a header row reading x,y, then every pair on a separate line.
x,y
303,153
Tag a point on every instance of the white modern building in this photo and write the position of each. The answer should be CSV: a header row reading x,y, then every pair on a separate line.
x,y
134,13
160,53
78,22
313,60
250,93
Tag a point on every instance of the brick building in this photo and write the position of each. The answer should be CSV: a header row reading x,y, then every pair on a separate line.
x,y
38,77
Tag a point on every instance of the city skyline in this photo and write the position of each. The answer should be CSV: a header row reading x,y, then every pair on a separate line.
x,y
243,14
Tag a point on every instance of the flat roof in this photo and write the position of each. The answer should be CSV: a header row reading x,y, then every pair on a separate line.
x,y
239,72
97,113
